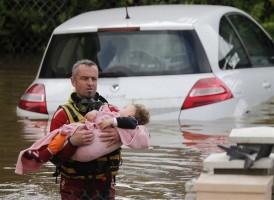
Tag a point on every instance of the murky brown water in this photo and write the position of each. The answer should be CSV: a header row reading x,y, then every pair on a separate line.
x,y
157,173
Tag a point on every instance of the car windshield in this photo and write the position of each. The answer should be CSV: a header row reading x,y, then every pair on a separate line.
x,y
123,54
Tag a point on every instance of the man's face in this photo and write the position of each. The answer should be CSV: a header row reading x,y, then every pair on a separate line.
x,y
85,81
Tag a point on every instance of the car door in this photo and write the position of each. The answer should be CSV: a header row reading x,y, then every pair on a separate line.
x,y
246,60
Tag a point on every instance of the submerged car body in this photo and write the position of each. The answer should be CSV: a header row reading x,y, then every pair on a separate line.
x,y
186,62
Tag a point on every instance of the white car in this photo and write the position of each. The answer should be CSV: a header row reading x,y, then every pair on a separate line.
x,y
192,62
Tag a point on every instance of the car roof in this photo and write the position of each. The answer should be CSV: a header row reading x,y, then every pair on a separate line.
x,y
145,17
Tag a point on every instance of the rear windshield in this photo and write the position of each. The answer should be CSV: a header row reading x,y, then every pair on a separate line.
x,y
124,54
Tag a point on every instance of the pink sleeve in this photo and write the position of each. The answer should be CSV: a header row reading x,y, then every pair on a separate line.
x,y
135,138
24,165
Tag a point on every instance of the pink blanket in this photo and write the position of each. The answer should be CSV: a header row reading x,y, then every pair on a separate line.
x,y
134,138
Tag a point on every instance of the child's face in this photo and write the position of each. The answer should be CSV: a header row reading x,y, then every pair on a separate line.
x,y
128,110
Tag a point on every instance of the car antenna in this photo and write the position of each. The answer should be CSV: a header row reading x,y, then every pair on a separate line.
x,y
127,16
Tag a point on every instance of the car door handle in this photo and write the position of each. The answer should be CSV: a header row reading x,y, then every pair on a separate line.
x,y
266,85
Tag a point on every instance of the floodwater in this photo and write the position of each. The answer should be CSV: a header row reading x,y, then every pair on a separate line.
x,y
159,172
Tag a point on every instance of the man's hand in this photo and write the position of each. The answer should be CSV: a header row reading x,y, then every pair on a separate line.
x,y
110,136
82,137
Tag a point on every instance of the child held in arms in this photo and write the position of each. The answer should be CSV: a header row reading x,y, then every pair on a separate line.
x,y
129,122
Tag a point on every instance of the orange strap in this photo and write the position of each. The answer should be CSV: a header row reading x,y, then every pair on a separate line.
x,y
57,143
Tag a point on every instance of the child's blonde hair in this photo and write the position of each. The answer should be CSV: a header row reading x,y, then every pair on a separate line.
x,y
141,114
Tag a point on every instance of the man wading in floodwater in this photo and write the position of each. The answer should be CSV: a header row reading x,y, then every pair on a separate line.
x,y
85,180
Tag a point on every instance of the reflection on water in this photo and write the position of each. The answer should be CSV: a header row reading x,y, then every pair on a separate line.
x,y
204,143
156,173
34,129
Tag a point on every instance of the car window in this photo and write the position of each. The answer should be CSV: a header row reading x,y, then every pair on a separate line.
x,y
118,54
259,46
232,54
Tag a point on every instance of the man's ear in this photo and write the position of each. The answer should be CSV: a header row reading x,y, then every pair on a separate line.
x,y
72,80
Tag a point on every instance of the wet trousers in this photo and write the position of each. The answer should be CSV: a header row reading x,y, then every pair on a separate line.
x,y
73,189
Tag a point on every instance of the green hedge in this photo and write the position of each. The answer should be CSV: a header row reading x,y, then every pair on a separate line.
x,y
269,27
26,25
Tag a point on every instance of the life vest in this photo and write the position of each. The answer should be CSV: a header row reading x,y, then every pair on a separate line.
x,y
103,167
